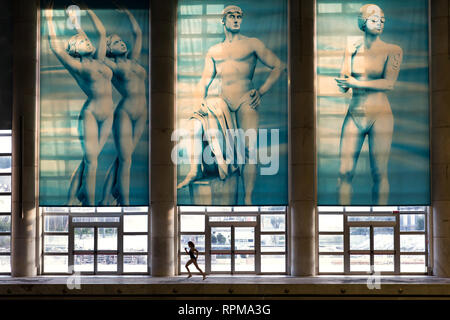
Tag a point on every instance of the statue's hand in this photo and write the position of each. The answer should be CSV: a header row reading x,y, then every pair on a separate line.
x,y
201,108
255,97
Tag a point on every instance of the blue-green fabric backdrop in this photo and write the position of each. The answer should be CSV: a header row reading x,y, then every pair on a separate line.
x,y
61,101
199,28
406,26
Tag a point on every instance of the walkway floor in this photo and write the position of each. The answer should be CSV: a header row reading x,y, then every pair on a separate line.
x,y
215,286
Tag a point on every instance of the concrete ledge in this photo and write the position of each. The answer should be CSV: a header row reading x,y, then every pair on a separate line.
x,y
219,287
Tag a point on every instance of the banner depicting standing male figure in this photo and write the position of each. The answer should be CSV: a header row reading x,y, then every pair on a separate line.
x,y
372,102
232,103
94,103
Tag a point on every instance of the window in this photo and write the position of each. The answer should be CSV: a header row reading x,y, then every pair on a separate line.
x,y
5,201
92,240
358,240
234,240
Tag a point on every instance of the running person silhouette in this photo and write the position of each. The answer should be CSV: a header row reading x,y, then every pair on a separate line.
x,y
193,254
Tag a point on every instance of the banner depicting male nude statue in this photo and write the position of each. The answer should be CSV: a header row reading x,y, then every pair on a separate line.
x,y
94,76
373,103
232,103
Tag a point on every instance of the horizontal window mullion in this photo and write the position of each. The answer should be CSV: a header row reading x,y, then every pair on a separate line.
x,y
331,233
55,253
53,233
415,253
135,233
95,224
136,253
274,233
412,232
335,253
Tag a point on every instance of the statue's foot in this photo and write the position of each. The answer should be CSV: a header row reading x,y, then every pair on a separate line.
x,y
191,177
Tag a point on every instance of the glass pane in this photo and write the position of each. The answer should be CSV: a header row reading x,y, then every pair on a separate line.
x,y
82,209
200,262
331,222
56,209
5,223
232,218
96,219
244,238
54,264
5,144
221,238
198,240
84,238
5,243
371,218
83,263
412,209
107,263
384,209
56,243
273,263
109,209
244,262
331,263
107,239
383,263
245,209
135,209
192,209
5,183
357,209
331,243
273,222
135,223
273,243
412,263
360,263
135,264
5,164
219,209
56,223
221,262
192,223
383,238
5,203
330,209
412,222
279,209
359,238
135,243
412,243
5,264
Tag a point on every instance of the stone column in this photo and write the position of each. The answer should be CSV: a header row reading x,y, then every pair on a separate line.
x,y
24,143
440,133
162,119
302,201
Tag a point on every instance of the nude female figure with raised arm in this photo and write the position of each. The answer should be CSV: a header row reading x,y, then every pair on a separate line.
x,y
86,65
130,116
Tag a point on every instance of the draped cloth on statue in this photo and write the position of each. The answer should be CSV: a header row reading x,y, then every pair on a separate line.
x,y
225,141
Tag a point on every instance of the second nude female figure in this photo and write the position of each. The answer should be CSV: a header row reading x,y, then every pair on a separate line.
x,y
130,116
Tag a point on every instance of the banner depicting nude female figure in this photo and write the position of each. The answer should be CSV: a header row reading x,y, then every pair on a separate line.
x,y
94,103
372,102
232,103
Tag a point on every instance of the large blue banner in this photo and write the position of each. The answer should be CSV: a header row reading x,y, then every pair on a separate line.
x,y
94,61
373,102
232,103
